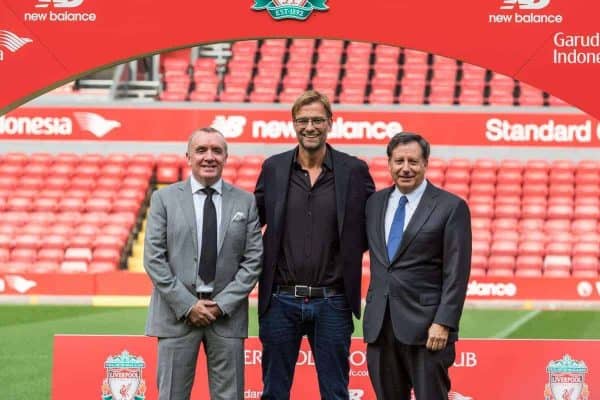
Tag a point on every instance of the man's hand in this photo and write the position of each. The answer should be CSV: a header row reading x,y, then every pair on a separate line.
x,y
214,309
203,313
438,337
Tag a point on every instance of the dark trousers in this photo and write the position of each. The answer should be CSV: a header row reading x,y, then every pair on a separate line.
x,y
328,324
396,368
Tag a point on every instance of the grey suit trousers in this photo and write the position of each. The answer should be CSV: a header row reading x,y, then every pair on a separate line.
x,y
177,358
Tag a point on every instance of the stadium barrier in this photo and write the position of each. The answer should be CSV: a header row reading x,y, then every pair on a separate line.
x,y
508,292
273,125
124,368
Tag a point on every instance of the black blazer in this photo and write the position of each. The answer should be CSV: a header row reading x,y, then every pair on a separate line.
x,y
427,279
353,185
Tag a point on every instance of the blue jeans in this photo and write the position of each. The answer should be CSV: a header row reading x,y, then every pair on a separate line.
x,y
328,324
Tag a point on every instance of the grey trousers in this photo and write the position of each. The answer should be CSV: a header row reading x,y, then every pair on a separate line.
x,y
177,358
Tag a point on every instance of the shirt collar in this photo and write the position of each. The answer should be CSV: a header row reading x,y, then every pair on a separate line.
x,y
412,196
218,185
327,161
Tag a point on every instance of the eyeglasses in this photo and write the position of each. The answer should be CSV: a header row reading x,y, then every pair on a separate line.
x,y
303,122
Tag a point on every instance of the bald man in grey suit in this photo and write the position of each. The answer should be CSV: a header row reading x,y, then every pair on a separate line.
x,y
203,251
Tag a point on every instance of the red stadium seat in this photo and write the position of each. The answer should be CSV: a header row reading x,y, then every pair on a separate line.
x,y
558,248
506,224
537,165
586,249
487,189
584,226
482,210
501,234
486,176
487,164
507,210
503,248
456,175
559,211
509,189
587,212
557,262
531,225
535,177
532,248
528,273
53,254
533,211
530,261
501,262
501,272
585,263
43,267
480,247
509,177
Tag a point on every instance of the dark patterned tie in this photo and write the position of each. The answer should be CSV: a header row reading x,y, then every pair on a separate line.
x,y
208,254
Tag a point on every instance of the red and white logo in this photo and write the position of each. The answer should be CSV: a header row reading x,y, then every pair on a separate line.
x,y
19,284
96,124
59,3
11,41
525,4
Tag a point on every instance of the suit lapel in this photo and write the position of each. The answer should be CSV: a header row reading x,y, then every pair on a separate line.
x,y
426,206
341,176
282,180
187,204
226,211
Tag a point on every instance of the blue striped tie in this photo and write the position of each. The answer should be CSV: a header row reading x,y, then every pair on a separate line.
x,y
397,228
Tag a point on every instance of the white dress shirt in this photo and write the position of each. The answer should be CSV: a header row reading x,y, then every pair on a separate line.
x,y
413,198
199,197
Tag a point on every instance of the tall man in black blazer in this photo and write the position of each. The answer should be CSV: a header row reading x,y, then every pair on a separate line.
x,y
312,200
420,251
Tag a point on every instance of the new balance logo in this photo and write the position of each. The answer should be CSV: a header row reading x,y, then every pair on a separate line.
x,y
96,124
59,3
231,126
11,41
525,4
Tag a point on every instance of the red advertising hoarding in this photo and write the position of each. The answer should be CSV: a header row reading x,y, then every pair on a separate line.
x,y
267,126
123,283
123,368
551,44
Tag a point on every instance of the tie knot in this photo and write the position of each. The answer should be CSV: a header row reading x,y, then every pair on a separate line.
x,y
403,200
208,191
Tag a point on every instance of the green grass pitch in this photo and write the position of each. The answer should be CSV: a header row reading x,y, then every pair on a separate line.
x,y
26,334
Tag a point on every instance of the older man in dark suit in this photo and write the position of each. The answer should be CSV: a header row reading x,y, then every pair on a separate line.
x,y
312,200
420,251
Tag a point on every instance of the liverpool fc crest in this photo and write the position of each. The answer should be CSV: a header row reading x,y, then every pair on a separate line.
x,y
290,9
124,378
566,380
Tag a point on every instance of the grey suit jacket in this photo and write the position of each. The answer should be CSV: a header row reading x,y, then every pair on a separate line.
x,y
426,281
171,260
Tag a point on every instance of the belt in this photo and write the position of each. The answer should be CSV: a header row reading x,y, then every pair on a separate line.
x,y
204,295
309,291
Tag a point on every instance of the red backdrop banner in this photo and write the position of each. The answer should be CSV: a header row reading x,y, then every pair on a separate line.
x,y
275,126
551,44
137,284
123,368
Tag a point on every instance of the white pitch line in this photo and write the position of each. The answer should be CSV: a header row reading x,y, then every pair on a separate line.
x,y
517,324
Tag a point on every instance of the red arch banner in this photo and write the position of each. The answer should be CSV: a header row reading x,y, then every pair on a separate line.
x,y
551,44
